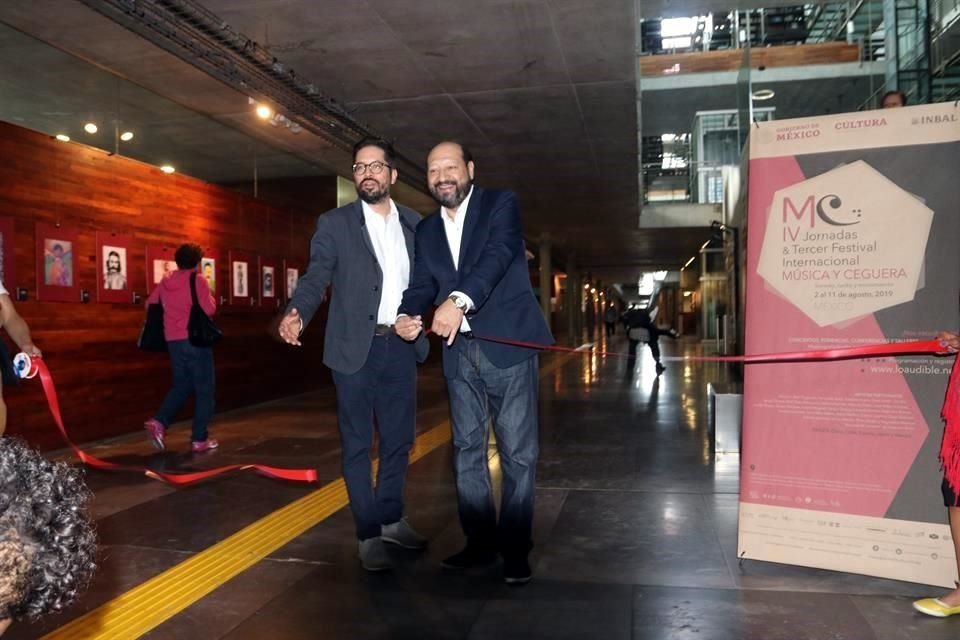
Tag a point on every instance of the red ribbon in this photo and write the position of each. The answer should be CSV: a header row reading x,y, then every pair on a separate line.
x,y
949,446
176,479
949,454
920,347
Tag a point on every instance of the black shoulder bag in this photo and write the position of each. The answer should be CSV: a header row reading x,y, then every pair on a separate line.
x,y
200,328
151,334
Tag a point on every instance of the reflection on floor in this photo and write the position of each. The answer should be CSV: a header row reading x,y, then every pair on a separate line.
x,y
635,530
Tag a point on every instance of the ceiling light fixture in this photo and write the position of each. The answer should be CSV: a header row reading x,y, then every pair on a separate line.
x,y
90,128
762,94
167,169
62,137
264,112
126,136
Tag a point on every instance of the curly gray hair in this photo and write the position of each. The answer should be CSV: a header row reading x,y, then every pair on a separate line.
x,y
47,540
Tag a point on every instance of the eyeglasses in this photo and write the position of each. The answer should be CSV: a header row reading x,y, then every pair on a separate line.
x,y
375,167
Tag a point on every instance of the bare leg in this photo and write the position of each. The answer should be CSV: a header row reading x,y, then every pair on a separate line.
x,y
953,598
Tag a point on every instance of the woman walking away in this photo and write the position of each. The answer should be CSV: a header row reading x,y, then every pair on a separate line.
x,y
192,366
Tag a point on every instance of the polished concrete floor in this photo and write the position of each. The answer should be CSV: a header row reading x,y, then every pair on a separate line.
x,y
635,530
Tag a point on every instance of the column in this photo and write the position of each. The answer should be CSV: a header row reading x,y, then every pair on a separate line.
x,y
546,275
572,299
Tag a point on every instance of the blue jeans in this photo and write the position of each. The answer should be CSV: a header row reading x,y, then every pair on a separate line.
x,y
192,373
478,393
385,388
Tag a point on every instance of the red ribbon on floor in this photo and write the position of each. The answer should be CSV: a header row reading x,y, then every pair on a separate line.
x,y
176,479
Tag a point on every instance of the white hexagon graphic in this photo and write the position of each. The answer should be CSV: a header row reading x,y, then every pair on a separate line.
x,y
845,244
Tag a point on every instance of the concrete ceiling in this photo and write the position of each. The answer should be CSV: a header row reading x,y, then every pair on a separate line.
x,y
542,90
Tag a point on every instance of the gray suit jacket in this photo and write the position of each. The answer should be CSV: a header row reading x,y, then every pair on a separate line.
x,y
342,255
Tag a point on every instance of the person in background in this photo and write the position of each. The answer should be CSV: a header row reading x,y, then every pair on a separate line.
x,y
641,327
193,371
610,317
893,99
47,541
19,332
948,604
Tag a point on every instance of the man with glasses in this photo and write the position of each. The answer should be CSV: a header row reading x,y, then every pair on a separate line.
x,y
365,250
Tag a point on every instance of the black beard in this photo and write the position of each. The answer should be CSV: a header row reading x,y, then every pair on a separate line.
x,y
112,269
376,196
453,200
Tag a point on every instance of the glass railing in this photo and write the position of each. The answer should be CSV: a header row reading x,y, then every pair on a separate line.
x,y
943,14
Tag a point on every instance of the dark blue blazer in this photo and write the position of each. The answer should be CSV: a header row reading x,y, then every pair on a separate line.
x,y
342,257
493,272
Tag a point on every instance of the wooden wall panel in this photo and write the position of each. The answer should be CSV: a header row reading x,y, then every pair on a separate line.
x,y
106,385
731,59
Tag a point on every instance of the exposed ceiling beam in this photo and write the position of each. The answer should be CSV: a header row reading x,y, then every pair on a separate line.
x,y
194,34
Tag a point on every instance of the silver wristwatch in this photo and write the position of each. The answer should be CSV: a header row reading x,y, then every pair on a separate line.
x,y
458,302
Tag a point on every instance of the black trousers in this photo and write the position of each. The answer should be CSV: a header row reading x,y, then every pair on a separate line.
x,y
385,388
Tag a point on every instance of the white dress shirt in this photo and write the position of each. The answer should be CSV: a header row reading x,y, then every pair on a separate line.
x,y
386,234
454,230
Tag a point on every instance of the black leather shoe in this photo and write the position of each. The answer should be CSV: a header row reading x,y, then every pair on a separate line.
x,y
469,558
516,570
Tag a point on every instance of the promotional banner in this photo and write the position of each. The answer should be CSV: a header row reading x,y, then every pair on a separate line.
x,y
852,238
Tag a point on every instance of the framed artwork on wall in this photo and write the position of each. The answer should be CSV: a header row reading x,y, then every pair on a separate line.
x,y
210,269
114,255
58,279
243,266
160,264
292,270
7,276
271,294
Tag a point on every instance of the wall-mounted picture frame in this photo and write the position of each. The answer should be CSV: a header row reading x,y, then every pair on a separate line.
x,y
210,269
243,266
271,287
292,271
160,264
7,274
58,277
114,257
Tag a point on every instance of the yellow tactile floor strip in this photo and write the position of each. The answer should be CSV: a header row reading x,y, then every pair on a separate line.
x,y
148,605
